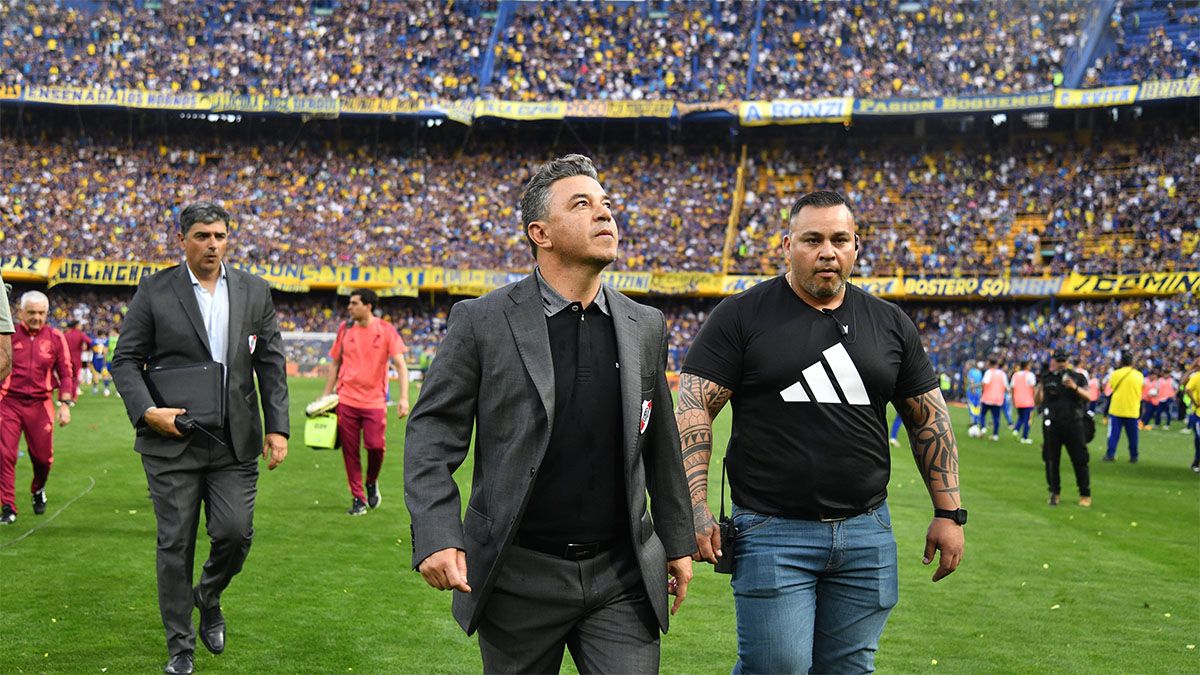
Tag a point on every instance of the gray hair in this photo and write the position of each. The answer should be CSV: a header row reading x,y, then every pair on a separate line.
x,y
535,201
33,296
201,212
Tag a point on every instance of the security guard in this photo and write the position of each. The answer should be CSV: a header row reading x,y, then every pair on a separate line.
x,y
1062,397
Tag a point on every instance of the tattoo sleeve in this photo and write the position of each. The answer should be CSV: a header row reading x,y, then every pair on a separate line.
x,y
699,402
934,449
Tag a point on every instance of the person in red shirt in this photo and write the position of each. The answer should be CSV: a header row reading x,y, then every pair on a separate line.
x,y
39,354
359,371
77,342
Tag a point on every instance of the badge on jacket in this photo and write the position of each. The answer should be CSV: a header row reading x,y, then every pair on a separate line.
x,y
253,341
646,406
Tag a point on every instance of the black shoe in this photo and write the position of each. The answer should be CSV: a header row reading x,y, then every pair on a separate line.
x,y
1133,460
374,499
212,625
39,502
180,663
8,515
1109,459
357,508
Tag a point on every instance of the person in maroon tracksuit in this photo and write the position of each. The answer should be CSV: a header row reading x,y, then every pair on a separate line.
x,y
39,354
77,342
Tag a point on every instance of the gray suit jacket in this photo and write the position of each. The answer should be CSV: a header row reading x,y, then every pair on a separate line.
x,y
494,374
164,328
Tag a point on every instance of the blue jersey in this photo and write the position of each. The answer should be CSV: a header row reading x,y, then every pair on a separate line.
x,y
99,352
974,382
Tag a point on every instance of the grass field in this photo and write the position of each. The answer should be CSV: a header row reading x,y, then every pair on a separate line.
x,y
1114,588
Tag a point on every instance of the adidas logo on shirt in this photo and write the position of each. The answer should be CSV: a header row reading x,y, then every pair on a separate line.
x,y
838,360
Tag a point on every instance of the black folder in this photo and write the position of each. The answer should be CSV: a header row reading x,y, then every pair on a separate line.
x,y
198,388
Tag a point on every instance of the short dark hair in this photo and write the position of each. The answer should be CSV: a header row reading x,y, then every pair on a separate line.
x,y
201,212
1126,359
535,201
821,199
366,296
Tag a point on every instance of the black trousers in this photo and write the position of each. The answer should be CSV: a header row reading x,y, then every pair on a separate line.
x,y
205,474
596,608
1056,435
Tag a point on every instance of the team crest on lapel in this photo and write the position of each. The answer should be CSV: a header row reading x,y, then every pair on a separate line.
x,y
646,406
253,342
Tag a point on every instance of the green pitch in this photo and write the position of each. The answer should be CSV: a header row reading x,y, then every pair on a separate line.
x,y
1113,588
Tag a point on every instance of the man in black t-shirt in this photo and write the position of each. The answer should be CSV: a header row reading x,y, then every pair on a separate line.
x,y
810,363
1062,396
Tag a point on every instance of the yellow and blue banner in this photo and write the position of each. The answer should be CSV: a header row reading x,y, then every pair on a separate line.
x,y
795,111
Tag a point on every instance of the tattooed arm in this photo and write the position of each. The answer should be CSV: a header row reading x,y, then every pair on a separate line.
x,y
936,453
699,402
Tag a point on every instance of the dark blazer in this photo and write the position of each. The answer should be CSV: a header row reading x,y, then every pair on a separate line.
x,y
493,374
164,328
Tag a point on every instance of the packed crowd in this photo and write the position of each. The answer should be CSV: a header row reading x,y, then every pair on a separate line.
x,y
313,204
1152,40
1115,206
693,51
1161,333
893,49
385,49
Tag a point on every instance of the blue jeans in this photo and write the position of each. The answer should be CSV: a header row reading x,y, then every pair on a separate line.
x,y
810,594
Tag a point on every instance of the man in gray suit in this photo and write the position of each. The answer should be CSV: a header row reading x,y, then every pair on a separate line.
x,y
564,382
203,311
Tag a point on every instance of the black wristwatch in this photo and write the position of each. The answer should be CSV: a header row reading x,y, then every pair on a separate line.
x,y
957,515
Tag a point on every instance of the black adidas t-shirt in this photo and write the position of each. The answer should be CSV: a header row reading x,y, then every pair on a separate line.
x,y
810,392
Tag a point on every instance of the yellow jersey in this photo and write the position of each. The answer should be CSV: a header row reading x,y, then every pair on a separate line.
x,y
1127,392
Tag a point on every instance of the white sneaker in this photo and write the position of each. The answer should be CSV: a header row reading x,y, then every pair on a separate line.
x,y
895,443
1027,441
995,437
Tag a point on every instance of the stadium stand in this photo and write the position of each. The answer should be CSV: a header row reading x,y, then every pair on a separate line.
x,y
1115,204
688,51
693,51
393,49
310,204
1148,40
936,196
899,49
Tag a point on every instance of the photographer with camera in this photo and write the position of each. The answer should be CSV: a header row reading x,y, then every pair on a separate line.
x,y
1062,396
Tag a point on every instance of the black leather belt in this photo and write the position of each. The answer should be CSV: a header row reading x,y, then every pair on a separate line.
x,y
564,550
